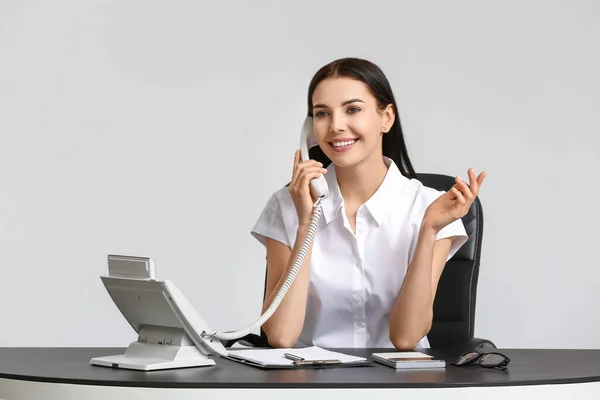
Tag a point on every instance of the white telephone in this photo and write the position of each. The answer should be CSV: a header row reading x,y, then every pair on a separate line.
x,y
307,140
171,332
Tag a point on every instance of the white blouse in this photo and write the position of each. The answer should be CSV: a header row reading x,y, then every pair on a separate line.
x,y
355,279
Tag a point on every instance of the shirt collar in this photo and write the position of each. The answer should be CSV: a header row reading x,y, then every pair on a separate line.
x,y
380,205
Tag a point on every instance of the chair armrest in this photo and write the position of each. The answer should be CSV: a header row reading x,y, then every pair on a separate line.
x,y
476,344
482,344
251,340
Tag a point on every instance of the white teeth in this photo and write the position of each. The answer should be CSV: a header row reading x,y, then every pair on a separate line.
x,y
341,144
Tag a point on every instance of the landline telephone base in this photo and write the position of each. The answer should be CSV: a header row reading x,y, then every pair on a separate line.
x,y
173,350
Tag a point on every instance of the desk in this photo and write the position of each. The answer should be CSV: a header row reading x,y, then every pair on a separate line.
x,y
58,373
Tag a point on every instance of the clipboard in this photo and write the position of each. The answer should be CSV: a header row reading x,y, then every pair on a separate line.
x,y
306,364
274,358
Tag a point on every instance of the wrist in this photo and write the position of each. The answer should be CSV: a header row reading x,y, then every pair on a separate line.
x,y
428,228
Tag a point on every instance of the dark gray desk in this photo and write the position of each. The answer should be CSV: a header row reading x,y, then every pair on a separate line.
x,y
65,372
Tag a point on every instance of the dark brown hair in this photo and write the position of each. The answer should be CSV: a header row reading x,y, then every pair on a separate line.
x,y
373,77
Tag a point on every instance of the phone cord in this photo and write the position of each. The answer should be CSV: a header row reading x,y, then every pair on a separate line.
x,y
316,215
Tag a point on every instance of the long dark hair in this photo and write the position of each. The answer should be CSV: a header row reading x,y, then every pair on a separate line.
x,y
371,75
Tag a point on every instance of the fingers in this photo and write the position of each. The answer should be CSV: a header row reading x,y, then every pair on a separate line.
x,y
307,169
475,182
307,177
299,165
304,172
464,189
295,167
466,194
472,190
302,184
459,196
481,177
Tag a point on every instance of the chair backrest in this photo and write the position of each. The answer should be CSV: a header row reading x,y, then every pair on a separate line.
x,y
454,305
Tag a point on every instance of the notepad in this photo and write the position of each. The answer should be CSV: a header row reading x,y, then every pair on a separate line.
x,y
313,356
408,359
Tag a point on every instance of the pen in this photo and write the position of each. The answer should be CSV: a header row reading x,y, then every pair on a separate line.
x,y
292,357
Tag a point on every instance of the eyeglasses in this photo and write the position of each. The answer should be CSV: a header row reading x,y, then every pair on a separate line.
x,y
485,360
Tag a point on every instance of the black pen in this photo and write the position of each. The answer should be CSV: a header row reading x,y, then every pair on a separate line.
x,y
292,357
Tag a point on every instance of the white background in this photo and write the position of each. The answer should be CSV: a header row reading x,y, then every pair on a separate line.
x,y
160,129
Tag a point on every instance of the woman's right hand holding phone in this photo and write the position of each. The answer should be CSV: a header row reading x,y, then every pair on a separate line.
x,y
302,192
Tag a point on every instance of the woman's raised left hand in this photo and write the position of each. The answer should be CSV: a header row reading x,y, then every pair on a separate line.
x,y
453,204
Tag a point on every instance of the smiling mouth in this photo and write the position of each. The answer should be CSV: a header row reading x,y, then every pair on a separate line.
x,y
346,143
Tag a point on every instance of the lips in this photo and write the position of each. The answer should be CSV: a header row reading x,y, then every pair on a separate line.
x,y
344,144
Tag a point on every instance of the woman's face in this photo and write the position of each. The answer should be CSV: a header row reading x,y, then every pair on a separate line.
x,y
347,122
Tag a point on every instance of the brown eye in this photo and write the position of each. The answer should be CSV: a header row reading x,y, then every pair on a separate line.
x,y
320,114
353,110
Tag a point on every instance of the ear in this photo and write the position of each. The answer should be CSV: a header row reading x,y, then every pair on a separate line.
x,y
388,115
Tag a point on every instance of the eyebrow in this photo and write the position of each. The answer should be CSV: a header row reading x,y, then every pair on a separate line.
x,y
343,104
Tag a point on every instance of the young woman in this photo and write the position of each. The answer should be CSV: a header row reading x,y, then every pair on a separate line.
x,y
370,277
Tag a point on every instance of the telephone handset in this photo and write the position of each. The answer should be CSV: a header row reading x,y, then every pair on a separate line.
x,y
321,188
307,140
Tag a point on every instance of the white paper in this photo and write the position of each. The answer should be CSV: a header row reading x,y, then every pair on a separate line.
x,y
275,356
403,354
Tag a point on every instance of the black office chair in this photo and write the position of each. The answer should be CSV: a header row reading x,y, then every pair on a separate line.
x,y
453,323
454,306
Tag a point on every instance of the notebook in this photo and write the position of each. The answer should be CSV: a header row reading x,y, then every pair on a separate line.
x,y
408,360
307,357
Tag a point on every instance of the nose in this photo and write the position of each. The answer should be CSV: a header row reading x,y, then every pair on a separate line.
x,y
338,122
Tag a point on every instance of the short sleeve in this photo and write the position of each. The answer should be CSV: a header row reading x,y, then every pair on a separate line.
x,y
270,223
457,230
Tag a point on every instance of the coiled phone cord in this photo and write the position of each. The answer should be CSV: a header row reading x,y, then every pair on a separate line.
x,y
316,215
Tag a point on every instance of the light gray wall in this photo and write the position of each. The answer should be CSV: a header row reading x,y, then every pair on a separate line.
x,y
160,129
